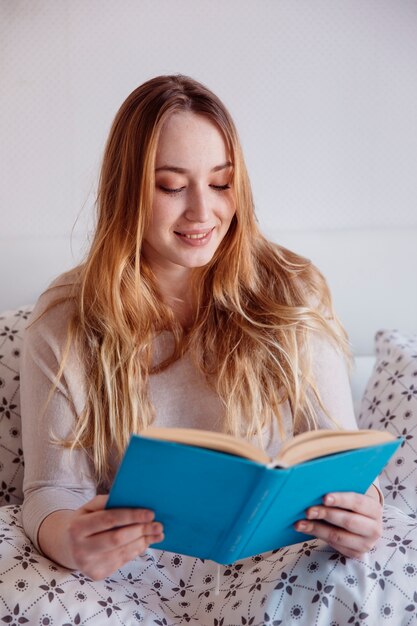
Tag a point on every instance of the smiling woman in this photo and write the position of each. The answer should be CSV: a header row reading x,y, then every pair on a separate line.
x,y
182,314
193,205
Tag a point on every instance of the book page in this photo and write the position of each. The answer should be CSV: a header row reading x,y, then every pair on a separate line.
x,y
319,443
212,440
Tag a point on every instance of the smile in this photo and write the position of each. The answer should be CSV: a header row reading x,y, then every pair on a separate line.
x,y
195,237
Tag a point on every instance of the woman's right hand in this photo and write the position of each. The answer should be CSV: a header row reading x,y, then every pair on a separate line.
x,y
98,541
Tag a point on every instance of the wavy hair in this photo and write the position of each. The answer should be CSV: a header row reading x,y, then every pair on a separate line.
x,y
257,304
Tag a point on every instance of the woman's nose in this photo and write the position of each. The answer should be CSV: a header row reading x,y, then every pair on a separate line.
x,y
198,204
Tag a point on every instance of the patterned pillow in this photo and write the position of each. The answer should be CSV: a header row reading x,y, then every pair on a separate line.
x,y
12,324
390,402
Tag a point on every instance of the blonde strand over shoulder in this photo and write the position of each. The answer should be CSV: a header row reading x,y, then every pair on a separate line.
x,y
252,341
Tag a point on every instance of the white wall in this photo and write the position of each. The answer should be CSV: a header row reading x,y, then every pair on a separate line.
x,y
324,94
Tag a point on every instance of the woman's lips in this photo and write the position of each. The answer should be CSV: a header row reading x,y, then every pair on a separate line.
x,y
195,237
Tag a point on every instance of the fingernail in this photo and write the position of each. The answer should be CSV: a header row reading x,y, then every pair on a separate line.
x,y
149,515
303,526
313,513
157,527
329,499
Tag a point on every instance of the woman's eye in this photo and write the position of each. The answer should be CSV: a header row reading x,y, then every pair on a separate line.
x,y
220,187
170,190
174,190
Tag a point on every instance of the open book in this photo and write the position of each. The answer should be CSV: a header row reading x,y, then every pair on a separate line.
x,y
304,447
221,498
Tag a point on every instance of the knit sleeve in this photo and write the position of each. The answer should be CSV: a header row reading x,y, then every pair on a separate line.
x,y
55,478
331,376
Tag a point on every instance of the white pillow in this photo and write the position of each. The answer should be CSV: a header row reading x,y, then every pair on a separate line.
x,y
390,402
12,324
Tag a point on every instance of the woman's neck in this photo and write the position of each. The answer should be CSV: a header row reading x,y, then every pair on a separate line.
x,y
175,288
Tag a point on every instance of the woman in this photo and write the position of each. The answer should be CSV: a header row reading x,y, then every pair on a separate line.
x,y
182,314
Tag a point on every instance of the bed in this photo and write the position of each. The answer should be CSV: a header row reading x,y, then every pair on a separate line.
x,y
371,275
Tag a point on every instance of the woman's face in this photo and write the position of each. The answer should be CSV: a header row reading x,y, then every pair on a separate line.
x,y
193,202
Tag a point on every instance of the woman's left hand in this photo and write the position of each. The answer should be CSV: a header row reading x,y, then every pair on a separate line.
x,y
349,522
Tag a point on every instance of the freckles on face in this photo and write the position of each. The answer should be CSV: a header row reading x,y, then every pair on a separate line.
x,y
193,202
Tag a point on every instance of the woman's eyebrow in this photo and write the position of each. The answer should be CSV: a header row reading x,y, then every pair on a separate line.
x,y
183,170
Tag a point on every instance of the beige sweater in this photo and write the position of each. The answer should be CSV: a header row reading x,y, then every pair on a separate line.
x,y
57,479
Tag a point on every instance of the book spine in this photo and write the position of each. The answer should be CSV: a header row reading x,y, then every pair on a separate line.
x,y
231,544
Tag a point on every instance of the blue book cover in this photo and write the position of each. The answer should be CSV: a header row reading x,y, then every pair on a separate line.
x,y
218,506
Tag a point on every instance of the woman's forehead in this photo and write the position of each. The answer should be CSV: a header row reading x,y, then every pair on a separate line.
x,y
186,136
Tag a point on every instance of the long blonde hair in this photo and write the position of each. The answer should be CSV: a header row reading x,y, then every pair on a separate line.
x,y
257,303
